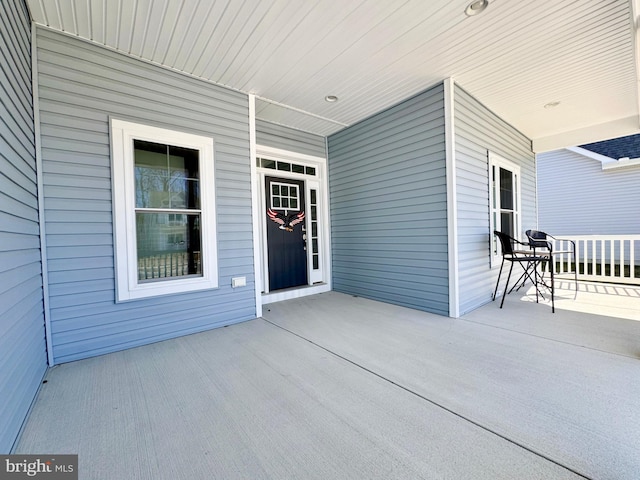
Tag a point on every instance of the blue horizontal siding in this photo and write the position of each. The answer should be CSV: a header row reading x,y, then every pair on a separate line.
x,y
388,205
81,86
22,342
577,197
478,131
284,138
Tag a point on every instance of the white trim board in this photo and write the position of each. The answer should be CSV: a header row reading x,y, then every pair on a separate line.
x,y
452,195
255,206
295,293
40,189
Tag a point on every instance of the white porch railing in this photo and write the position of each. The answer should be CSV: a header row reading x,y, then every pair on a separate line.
x,y
603,258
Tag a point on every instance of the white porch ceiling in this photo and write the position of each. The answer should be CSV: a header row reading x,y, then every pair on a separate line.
x,y
515,57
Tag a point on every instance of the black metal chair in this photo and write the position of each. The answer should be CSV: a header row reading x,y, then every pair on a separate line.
x,y
528,260
539,240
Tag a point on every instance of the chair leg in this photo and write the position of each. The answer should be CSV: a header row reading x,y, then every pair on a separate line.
x,y
523,277
495,292
535,283
575,270
504,293
553,307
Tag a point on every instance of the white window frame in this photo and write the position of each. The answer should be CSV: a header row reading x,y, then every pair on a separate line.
x,y
496,161
289,197
128,287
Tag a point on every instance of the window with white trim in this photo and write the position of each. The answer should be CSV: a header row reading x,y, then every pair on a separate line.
x,y
504,197
164,211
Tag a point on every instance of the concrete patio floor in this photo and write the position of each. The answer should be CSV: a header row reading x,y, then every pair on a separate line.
x,y
334,386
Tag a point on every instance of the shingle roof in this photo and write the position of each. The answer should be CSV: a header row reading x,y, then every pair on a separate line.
x,y
622,147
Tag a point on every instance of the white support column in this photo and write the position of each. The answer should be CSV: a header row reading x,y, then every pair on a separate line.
x,y
452,204
255,206
40,189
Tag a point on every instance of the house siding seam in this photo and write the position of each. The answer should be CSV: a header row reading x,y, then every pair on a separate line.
x,y
388,205
82,86
285,138
478,131
23,360
576,197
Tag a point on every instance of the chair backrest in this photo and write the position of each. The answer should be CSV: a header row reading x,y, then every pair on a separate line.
x,y
537,239
506,242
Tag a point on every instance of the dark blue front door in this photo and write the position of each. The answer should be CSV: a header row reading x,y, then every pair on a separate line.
x,y
286,233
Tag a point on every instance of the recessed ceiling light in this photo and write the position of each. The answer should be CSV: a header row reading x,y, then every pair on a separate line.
x,y
476,7
331,98
552,104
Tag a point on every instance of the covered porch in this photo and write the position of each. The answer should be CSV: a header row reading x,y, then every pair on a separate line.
x,y
337,386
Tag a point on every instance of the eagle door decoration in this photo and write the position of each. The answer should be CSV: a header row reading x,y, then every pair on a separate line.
x,y
286,222
286,233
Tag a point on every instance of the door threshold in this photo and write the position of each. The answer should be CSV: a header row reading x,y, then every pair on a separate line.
x,y
297,292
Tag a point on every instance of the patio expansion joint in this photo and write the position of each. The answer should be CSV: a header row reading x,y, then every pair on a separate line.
x,y
542,337
426,399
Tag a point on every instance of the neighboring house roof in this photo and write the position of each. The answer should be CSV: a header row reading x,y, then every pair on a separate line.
x,y
615,153
617,148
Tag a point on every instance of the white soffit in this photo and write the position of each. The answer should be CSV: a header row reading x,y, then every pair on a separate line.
x,y
515,57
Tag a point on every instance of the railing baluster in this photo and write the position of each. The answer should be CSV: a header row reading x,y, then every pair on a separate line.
x,y
578,258
612,258
632,259
602,257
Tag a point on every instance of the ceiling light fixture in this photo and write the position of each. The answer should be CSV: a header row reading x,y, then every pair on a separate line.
x,y
331,98
552,104
476,7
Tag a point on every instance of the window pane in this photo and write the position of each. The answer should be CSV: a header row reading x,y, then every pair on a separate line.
x,y
313,197
507,223
493,187
183,162
293,203
284,166
168,245
297,168
268,164
184,193
151,175
184,175
165,176
506,189
311,171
